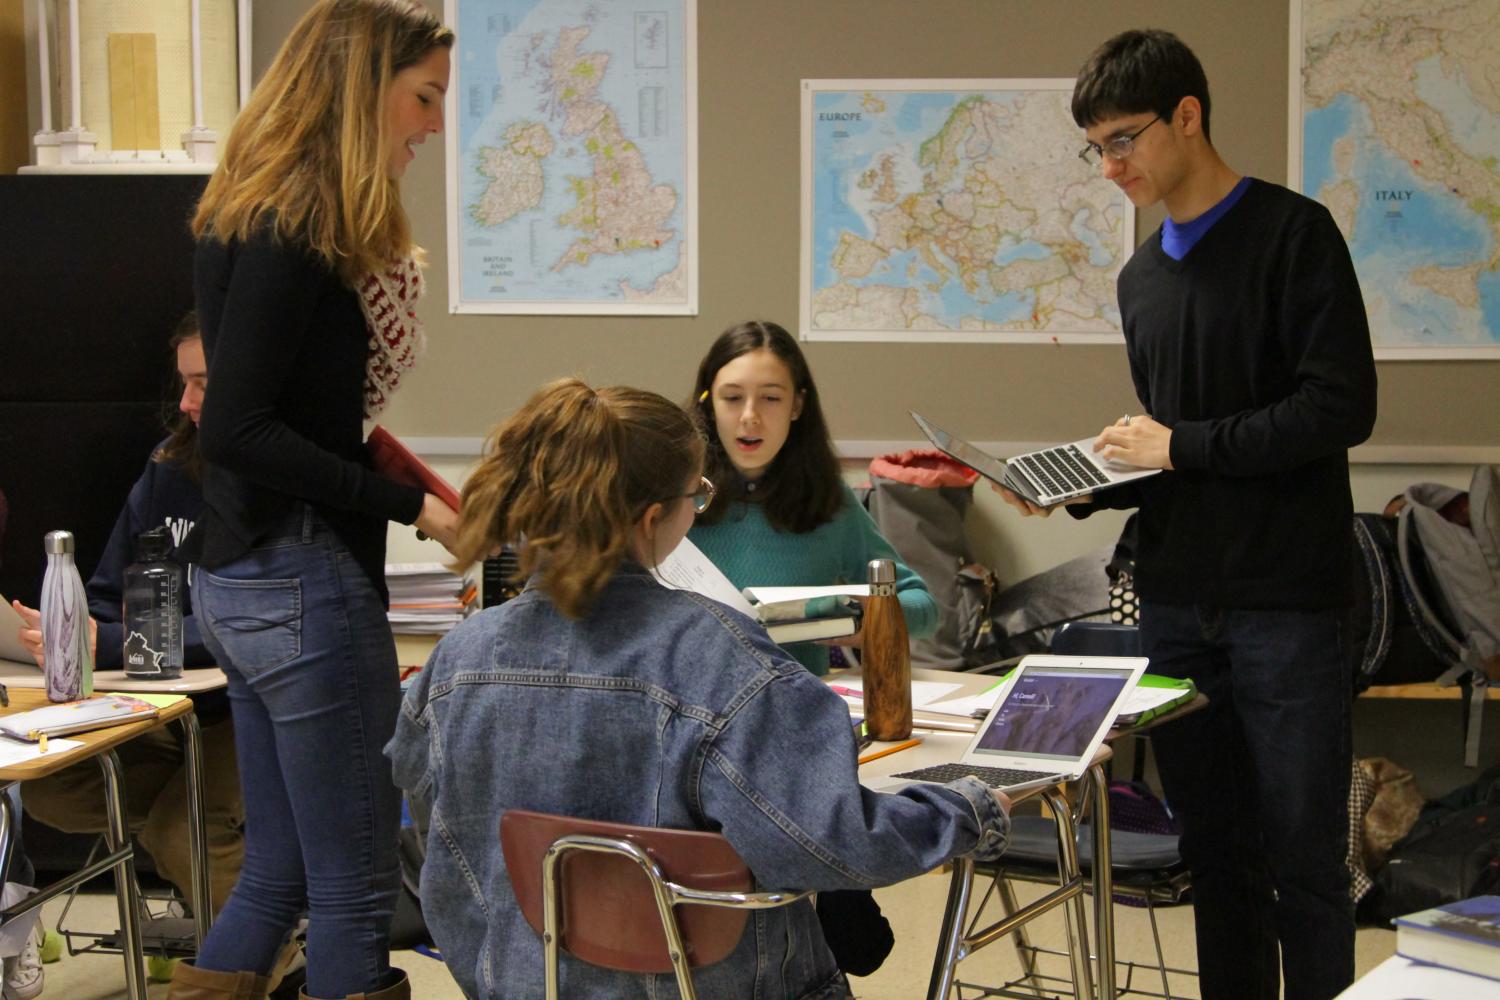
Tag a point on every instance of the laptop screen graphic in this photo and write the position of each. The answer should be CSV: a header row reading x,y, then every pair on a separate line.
x,y
1053,712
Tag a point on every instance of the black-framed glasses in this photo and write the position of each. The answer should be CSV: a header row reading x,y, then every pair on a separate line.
x,y
1117,149
703,495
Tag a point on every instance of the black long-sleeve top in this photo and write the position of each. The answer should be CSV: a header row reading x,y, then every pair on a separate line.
x,y
282,422
1255,350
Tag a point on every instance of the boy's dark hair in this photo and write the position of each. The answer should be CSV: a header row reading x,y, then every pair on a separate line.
x,y
1137,71
802,488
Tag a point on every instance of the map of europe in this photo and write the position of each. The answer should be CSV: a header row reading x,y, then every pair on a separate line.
x,y
955,210
1400,138
570,181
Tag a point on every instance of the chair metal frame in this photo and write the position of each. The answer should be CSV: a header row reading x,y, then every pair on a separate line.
x,y
668,894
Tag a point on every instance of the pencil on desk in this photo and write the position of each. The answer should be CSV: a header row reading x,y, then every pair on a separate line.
x,y
887,751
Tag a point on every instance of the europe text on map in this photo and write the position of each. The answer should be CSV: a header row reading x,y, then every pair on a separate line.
x,y
1396,128
955,210
571,157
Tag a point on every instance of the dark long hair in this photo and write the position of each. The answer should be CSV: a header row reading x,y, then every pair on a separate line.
x,y
181,446
801,488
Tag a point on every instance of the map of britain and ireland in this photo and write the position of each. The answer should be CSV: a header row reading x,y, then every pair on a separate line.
x,y
946,210
1400,138
571,171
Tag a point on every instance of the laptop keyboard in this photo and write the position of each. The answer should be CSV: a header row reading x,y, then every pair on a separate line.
x,y
995,777
1061,470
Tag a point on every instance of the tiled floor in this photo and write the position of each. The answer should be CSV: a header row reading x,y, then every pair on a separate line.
x,y
913,907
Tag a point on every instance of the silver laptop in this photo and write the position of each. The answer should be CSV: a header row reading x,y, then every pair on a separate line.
x,y
1044,477
1049,720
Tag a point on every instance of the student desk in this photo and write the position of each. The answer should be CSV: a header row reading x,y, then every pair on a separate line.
x,y
26,679
1398,978
943,746
100,745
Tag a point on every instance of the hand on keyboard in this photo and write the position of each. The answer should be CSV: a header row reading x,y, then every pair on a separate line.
x,y
1138,441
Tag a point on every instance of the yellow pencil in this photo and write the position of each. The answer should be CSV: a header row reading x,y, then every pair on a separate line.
x,y
886,751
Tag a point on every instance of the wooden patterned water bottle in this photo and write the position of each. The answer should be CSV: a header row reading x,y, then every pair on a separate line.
x,y
69,667
886,658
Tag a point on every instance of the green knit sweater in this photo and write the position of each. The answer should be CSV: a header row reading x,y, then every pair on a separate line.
x,y
752,553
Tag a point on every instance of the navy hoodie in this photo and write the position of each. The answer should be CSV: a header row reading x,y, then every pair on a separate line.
x,y
163,495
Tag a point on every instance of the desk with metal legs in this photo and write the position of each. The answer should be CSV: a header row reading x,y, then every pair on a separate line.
x,y
1092,789
954,944
100,745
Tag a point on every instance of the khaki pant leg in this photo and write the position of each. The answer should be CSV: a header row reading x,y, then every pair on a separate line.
x,y
72,800
166,832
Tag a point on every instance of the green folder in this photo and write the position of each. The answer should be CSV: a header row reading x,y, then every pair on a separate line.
x,y
1183,691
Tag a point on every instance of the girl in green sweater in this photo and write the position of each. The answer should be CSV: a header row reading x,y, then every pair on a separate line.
x,y
786,518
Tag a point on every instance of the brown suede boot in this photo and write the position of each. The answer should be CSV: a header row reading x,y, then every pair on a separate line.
x,y
192,983
397,989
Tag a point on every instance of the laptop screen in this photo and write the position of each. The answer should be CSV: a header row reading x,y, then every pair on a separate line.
x,y
987,465
1053,712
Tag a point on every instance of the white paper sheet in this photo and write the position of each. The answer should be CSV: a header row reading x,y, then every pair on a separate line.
x,y
687,568
15,752
923,693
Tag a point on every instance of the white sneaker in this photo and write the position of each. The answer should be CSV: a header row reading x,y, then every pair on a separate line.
x,y
23,973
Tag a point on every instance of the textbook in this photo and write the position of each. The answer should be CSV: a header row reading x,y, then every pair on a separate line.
x,y
97,712
776,604
395,460
786,618
1464,936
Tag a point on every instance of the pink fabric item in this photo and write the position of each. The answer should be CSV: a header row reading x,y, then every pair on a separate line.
x,y
925,467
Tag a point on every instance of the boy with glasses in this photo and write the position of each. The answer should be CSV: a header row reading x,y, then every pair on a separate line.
x,y
1250,352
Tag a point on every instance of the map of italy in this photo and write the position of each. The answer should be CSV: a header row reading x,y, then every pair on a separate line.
x,y
948,212
1401,140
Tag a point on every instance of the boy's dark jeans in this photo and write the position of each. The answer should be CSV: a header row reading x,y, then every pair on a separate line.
x,y
1260,779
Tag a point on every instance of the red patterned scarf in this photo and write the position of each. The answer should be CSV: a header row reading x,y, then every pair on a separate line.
x,y
397,340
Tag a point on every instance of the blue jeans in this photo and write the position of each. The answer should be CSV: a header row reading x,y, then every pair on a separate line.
x,y
302,635
1260,779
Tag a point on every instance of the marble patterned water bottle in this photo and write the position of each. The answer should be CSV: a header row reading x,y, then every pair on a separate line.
x,y
69,667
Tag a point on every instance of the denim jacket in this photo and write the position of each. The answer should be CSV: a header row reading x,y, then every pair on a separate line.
x,y
660,708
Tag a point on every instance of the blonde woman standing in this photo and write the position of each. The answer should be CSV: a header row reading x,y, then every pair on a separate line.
x,y
306,280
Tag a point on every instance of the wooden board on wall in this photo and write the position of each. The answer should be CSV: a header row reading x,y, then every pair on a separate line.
x,y
15,139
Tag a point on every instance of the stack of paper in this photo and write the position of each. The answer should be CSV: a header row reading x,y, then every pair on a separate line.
x,y
426,598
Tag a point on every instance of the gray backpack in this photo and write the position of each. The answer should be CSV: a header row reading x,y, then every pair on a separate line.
x,y
1460,607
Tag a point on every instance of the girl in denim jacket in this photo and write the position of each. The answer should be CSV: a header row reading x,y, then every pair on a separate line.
x,y
600,693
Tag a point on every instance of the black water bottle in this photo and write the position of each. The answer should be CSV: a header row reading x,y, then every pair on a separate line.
x,y
153,609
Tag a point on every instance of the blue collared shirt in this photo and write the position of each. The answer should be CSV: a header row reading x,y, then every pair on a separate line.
x,y
1177,240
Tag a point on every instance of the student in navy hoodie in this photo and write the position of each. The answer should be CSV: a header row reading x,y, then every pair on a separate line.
x,y
167,493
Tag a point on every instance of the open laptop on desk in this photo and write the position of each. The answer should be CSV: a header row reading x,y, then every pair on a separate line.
x,y
1045,727
1045,477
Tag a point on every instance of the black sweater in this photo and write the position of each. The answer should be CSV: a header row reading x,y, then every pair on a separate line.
x,y
1255,350
283,421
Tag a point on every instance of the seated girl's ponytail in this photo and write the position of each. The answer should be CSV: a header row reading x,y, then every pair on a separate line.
x,y
567,477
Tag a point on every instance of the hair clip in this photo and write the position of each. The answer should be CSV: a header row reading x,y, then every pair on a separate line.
x,y
704,397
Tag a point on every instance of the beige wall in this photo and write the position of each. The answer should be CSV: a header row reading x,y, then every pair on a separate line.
x,y
751,58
